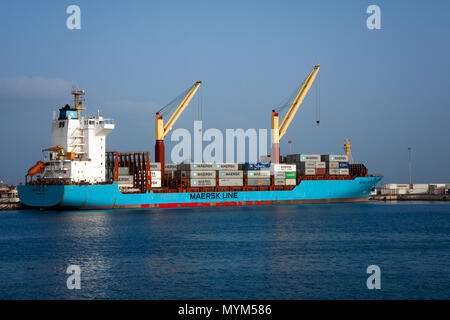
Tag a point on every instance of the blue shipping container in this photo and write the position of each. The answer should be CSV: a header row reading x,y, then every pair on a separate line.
x,y
257,166
343,165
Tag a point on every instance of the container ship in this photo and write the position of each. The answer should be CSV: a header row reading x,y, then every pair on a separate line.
x,y
78,173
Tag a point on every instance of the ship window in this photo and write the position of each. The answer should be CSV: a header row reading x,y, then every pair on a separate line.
x,y
91,121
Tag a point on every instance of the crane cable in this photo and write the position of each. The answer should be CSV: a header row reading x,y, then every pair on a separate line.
x,y
174,103
318,100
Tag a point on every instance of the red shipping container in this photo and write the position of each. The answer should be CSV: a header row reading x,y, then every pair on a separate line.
x,y
320,171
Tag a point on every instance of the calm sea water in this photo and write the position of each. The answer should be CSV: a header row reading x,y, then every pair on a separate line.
x,y
279,252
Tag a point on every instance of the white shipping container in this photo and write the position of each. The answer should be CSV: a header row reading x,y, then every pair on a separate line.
x,y
197,174
344,171
307,165
282,167
197,166
310,172
279,181
203,182
303,157
335,157
126,181
156,166
279,175
258,173
321,165
231,174
333,171
155,174
156,183
291,182
227,182
227,166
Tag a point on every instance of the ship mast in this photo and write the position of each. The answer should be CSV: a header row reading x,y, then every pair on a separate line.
x,y
78,100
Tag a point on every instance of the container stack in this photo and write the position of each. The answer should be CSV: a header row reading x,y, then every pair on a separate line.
x,y
258,174
170,170
125,179
229,175
336,164
307,164
199,174
155,171
284,174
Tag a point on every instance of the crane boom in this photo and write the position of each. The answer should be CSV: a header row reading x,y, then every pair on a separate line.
x,y
279,131
162,130
184,103
298,100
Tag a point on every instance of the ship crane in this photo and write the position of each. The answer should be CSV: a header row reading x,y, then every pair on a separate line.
x,y
278,131
60,153
161,129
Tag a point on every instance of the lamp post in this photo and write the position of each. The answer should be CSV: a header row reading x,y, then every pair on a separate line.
x,y
410,167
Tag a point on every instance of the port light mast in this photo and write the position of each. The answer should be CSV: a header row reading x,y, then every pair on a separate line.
x,y
161,129
278,131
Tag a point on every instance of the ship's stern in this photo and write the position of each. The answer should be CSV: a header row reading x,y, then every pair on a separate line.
x,y
41,196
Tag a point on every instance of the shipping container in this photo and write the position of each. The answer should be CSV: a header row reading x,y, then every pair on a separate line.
x,y
320,171
343,171
302,157
253,182
227,182
125,181
307,165
155,174
156,183
197,166
283,167
258,173
291,182
227,166
155,166
124,171
335,157
203,182
198,174
279,181
343,165
333,171
310,172
279,175
291,175
333,165
256,166
170,167
321,165
231,174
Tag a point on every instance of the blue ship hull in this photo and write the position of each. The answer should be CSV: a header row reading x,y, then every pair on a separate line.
x,y
110,197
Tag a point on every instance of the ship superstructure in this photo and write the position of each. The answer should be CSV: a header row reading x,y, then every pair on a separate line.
x,y
77,152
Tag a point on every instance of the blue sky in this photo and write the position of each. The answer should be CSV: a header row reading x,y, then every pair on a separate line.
x,y
383,89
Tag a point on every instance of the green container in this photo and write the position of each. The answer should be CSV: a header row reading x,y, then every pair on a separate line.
x,y
291,175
